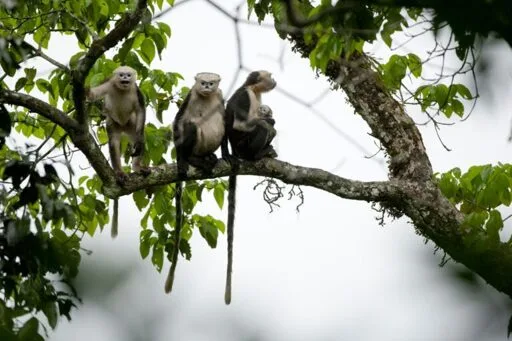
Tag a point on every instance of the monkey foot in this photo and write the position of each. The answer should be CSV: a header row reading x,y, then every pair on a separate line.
x,y
230,159
267,152
145,171
122,177
205,163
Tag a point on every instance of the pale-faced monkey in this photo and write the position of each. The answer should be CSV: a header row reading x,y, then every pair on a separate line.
x,y
198,131
125,112
250,131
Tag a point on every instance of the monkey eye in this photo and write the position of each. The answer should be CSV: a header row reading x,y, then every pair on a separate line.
x,y
211,83
203,83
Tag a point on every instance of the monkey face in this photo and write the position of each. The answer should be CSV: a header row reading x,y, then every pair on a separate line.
x,y
207,83
267,82
260,81
124,77
264,111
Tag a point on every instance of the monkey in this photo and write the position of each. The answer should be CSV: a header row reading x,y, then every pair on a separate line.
x,y
250,131
125,112
198,131
267,122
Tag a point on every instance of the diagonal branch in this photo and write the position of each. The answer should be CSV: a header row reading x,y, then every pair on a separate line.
x,y
38,52
80,137
122,29
432,213
38,106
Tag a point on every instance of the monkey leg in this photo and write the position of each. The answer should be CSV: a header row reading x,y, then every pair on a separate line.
x,y
256,144
137,166
114,147
185,146
138,149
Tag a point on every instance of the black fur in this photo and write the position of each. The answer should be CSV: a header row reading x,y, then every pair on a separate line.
x,y
253,78
231,223
183,151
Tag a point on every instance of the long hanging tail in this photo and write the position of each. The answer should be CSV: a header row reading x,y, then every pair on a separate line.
x,y
179,222
231,225
115,218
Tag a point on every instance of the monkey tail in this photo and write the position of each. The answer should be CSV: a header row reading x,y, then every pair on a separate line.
x,y
231,225
179,222
115,217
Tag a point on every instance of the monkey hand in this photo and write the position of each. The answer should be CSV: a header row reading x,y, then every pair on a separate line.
x,y
270,121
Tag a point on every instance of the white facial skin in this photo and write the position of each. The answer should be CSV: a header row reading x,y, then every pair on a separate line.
x,y
124,77
207,83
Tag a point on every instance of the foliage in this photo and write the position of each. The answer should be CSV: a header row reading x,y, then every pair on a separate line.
x,y
45,216
344,29
479,193
48,209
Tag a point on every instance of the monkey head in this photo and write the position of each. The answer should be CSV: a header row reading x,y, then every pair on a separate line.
x,y
264,111
124,77
206,83
260,81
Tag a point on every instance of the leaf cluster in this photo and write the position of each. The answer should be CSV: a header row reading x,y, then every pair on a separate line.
x,y
479,193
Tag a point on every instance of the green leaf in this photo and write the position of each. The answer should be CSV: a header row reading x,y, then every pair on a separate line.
x,y
29,330
145,243
448,186
207,229
394,71
494,225
158,257
7,335
140,199
458,107
43,85
51,313
147,50
218,193
164,28
463,91
20,83
441,94
414,64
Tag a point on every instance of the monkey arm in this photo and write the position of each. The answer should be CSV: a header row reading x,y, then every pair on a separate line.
x,y
269,120
98,91
238,111
177,125
141,114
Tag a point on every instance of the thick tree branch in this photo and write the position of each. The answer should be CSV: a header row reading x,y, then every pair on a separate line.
x,y
389,123
432,214
80,137
122,29
38,106
291,174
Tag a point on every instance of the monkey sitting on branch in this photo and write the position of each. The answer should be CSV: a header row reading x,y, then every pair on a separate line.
x,y
125,112
198,131
250,130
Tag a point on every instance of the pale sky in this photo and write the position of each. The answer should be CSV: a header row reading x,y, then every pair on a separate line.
x,y
329,272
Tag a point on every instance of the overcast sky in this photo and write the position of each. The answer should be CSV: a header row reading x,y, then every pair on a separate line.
x,y
329,272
